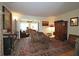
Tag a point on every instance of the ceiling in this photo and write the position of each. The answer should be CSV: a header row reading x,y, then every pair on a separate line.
x,y
44,9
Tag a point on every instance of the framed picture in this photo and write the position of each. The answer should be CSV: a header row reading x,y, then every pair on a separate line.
x,y
7,19
45,23
74,21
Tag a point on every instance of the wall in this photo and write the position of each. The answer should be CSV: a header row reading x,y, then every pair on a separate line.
x,y
66,17
1,37
15,16
51,20
24,18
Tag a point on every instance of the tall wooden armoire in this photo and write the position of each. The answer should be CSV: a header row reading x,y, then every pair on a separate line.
x,y
61,30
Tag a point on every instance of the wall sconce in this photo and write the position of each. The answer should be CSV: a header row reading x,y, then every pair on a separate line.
x,y
15,18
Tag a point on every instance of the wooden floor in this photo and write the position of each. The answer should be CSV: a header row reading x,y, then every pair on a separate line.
x,y
69,53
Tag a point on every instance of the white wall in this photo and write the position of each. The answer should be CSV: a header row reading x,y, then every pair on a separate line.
x,y
66,17
1,35
51,20
27,18
24,18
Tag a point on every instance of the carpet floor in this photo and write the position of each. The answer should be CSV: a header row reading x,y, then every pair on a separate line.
x,y
25,48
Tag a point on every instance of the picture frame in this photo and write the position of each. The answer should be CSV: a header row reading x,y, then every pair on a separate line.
x,y
7,19
74,21
45,23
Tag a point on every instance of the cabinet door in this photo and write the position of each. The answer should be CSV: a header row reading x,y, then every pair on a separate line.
x,y
57,30
61,30
64,30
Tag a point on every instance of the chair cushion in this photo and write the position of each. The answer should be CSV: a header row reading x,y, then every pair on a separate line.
x,y
71,40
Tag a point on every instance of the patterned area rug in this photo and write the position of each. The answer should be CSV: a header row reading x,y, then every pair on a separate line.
x,y
26,48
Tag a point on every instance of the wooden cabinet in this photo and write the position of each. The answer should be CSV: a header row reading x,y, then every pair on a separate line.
x,y
61,30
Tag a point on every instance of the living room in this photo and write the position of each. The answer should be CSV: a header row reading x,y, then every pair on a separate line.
x,y
42,18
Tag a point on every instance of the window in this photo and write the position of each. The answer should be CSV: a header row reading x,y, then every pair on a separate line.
x,y
23,26
32,25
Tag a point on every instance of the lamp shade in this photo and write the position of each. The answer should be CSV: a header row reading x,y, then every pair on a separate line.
x,y
51,25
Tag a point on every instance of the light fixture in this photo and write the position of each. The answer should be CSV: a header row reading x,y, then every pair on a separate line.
x,y
15,18
51,25
51,30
